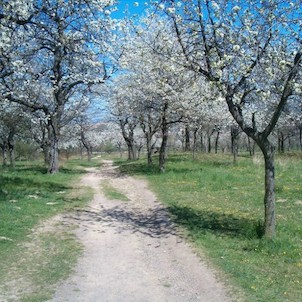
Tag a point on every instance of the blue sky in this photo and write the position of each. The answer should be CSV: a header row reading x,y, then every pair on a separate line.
x,y
131,6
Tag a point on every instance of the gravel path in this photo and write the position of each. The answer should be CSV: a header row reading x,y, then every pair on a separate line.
x,y
132,252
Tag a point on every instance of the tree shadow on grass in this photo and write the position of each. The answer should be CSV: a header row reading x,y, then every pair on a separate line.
x,y
141,168
202,221
35,169
12,186
64,170
137,168
43,170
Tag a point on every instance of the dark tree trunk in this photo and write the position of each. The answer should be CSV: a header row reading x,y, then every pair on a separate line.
x,y
86,145
251,148
149,149
131,150
187,139
269,197
194,141
128,136
163,147
11,149
12,160
150,126
202,146
54,156
209,142
54,147
138,150
281,140
89,153
268,152
216,142
235,137
209,148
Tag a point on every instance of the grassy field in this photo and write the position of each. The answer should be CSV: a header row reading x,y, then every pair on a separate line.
x,y
220,205
32,260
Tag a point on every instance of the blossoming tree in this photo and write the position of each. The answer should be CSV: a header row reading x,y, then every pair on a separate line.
x,y
251,50
64,50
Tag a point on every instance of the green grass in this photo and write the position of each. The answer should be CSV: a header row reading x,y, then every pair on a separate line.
x,y
220,205
29,196
50,258
111,192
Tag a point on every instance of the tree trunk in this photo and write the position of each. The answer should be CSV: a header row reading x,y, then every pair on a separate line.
x,y
129,139
209,142
216,142
81,151
53,133
12,160
86,144
251,148
149,149
54,156
202,146
163,148
187,139
131,150
138,151
11,149
234,138
194,141
280,142
88,149
269,197
130,154
89,153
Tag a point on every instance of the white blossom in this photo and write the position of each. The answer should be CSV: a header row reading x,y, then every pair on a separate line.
x,y
171,10
236,8
236,47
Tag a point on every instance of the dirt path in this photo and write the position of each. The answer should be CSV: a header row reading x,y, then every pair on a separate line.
x,y
132,252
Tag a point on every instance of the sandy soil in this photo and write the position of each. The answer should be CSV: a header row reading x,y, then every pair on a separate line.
x,y
132,251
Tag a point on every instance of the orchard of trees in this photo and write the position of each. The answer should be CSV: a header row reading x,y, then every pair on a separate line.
x,y
200,75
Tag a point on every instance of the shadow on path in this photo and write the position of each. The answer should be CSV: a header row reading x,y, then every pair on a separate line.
x,y
154,223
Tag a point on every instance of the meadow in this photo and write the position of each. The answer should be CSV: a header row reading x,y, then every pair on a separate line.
x,y
32,261
219,205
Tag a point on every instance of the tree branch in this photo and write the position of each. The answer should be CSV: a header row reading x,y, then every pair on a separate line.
x,y
28,104
287,92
